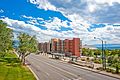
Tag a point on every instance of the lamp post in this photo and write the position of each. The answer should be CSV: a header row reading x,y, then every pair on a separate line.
x,y
103,55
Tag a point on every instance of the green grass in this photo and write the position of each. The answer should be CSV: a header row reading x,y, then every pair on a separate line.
x,y
11,69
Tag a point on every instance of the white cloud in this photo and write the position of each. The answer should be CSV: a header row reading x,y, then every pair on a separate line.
x,y
89,10
110,2
28,17
69,12
55,24
44,4
79,28
42,35
109,33
92,7
1,11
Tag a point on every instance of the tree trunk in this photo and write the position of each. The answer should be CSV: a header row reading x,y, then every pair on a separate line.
x,y
19,55
117,69
23,59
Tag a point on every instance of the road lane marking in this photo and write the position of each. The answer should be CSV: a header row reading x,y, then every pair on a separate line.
x,y
65,77
58,68
44,74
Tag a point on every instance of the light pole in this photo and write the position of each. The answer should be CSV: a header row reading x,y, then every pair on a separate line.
x,y
103,56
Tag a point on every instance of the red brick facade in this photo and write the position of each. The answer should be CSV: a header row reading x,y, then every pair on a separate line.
x,y
64,46
73,46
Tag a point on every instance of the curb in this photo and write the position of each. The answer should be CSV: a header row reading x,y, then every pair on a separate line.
x,y
29,69
97,71
33,72
76,65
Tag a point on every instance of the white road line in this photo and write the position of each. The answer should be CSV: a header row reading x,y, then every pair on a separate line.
x,y
58,68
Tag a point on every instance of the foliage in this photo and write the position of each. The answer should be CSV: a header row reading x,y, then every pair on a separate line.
x,y
100,68
98,61
87,52
114,59
83,59
97,52
5,39
27,45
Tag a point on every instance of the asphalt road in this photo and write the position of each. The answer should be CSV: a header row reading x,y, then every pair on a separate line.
x,y
51,69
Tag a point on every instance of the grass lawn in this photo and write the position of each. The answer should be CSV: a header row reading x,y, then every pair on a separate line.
x,y
11,69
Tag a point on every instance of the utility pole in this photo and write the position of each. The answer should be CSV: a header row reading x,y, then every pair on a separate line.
x,y
103,54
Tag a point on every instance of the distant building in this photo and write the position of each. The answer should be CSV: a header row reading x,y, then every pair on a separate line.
x,y
56,45
44,47
40,47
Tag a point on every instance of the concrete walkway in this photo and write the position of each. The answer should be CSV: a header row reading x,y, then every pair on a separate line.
x,y
97,71
79,63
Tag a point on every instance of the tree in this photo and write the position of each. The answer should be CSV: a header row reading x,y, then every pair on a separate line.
x,y
6,35
27,45
84,51
91,53
114,59
96,53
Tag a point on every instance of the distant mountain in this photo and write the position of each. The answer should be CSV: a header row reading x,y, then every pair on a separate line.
x,y
89,46
105,46
108,46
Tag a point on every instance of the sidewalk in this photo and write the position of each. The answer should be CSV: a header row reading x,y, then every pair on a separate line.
x,y
78,64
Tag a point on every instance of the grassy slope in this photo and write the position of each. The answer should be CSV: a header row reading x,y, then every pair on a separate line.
x,y
11,69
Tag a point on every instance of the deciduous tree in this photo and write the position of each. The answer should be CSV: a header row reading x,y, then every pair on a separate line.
x,y
27,45
6,35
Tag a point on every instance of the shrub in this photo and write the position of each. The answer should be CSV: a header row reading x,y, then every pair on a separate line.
x,y
83,59
113,71
108,70
97,61
100,68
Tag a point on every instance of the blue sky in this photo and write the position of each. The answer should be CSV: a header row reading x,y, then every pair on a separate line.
x,y
48,19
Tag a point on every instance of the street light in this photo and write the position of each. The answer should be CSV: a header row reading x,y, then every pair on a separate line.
x,y
103,56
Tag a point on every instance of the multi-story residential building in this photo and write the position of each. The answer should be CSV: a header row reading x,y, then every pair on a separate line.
x,y
54,43
40,46
44,47
73,46
57,45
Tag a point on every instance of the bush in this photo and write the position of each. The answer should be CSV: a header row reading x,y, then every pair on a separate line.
x,y
108,70
83,59
97,61
100,68
113,71
88,59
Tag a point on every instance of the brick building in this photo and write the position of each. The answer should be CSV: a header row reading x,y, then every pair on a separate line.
x,y
73,46
44,47
56,45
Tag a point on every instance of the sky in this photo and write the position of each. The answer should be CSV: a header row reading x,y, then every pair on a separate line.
x,y
84,19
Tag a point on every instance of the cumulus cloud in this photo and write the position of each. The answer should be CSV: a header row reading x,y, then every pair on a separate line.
x,y
42,35
43,4
109,33
89,10
81,13
110,2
